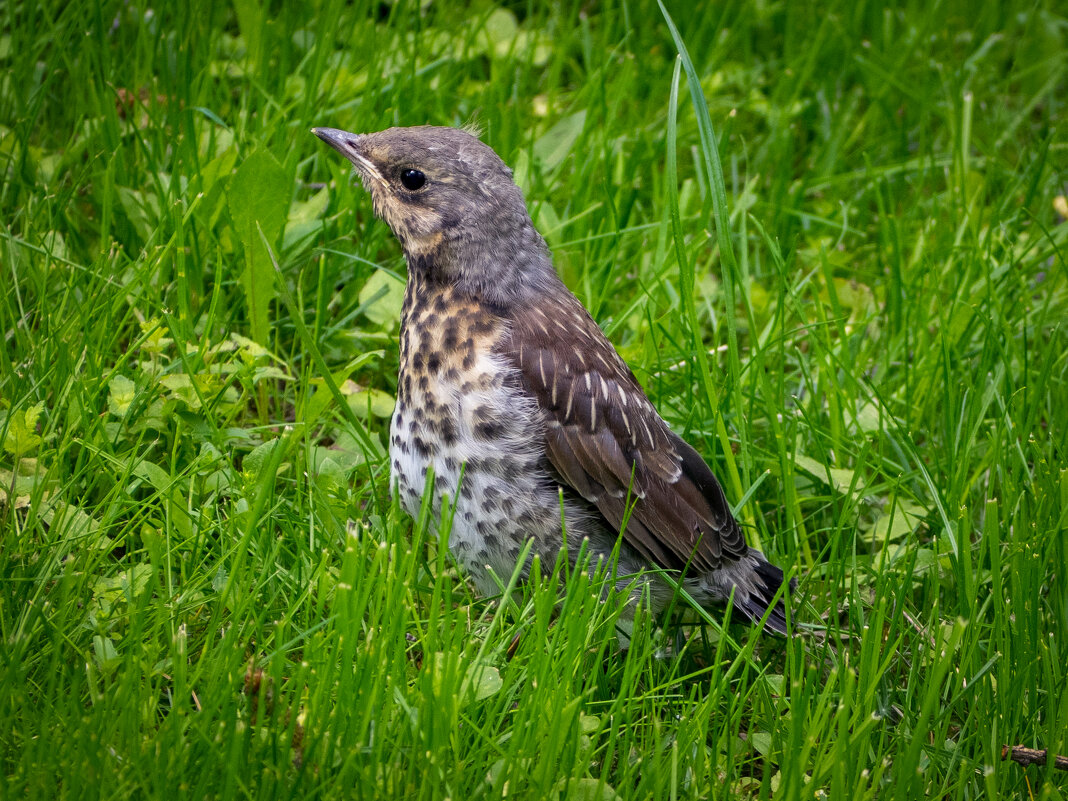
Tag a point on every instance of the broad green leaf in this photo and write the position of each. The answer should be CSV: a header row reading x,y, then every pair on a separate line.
x,y
774,681
125,586
218,581
868,418
259,199
899,519
309,210
322,396
252,349
840,478
303,222
20,438
217,481
55,245
213,181
383,295
925,559
480,679
380,403
498,33
156,339
854,295
76,528
349,452
260,456
270,372
555,144
512,765
588,724
181,387
761,742
218,169
107,657
121,391
156,476
328,474
31,414
584,789
31,474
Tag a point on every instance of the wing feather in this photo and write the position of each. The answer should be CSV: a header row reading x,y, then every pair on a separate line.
x,y
605,440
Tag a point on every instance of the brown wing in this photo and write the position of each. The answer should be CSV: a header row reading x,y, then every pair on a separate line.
x,y
603,437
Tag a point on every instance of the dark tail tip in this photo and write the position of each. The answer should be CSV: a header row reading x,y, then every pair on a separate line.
x,y
767,581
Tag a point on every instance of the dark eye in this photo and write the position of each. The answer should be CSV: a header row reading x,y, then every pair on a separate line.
x,y
412,179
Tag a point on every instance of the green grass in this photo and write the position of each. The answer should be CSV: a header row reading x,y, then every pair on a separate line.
x,y
204,588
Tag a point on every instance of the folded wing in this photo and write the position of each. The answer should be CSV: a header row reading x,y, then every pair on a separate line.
x,y
605,440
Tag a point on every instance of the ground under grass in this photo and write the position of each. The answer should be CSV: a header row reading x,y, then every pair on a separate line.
x,y
844,280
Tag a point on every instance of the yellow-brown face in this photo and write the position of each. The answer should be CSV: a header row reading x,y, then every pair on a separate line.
x,y
427,183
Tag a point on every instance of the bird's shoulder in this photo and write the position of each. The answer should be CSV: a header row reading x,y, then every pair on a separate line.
x,y
577,376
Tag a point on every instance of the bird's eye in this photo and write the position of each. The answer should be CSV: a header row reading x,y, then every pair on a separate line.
x,y
412,179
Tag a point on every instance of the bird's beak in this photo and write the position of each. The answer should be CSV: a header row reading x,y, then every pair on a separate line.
x,y
343,142
350,146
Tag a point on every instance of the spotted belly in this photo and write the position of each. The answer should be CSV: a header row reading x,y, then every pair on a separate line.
x,y
478,438
462,418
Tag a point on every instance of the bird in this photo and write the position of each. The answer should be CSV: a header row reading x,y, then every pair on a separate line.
x,y
514,401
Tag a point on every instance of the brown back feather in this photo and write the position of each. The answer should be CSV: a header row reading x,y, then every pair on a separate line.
x,y
601,430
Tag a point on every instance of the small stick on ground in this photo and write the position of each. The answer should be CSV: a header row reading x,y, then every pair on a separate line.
x,y
1031,756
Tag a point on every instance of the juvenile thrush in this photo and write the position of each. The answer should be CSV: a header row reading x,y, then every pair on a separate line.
x,y
509,392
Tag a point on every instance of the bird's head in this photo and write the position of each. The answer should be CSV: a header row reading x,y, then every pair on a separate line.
x,y
451,202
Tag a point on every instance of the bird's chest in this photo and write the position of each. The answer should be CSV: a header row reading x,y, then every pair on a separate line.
x,y
461,418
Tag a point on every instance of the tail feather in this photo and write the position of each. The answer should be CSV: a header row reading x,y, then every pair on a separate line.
x,y
759,592
752,582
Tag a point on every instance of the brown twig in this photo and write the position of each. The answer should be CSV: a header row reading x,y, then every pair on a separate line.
x,y
1031,756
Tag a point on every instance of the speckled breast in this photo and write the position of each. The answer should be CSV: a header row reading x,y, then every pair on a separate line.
x,y
462,415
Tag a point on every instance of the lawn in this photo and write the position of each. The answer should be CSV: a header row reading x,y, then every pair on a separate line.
x,y
831,243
